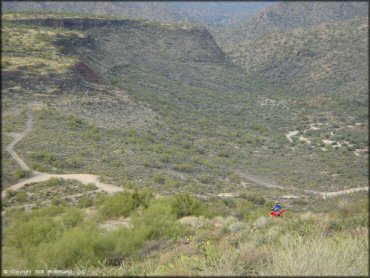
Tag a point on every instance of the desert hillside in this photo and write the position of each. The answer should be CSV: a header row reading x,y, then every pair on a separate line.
x,y
158,144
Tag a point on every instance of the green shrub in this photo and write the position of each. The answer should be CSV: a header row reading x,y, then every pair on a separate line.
x,y
234,178
56,201
302,227
255,199
120,204
38,167
20,196
142,198
164,158
53,182
10,193
159,178
204,178
341,255
20,174
72,218
45,156
214,207
85,202
26,235
127,243
244,210
78,246
184,205
184,167
158,221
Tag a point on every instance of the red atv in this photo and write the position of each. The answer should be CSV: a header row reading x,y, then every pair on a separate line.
x,y
277,214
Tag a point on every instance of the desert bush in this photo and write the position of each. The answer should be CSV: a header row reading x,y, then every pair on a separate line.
x,y
159,178
204,178
184,205
301,226
77,246
71,218
121,204
184,167
53,182
244,210
214,207
30,229
20,174
44,156
38,167
127,243
342,255
85,202
20,196
255,199
56,201
142,198
100,198
164,158
158,221
10,193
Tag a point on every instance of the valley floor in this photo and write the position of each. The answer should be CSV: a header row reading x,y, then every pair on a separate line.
x,y
109,188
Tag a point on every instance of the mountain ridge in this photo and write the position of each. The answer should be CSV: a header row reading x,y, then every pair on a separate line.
x,y
288,16
197,12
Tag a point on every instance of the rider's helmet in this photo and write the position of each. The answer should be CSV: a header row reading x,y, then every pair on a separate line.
x,y
276,202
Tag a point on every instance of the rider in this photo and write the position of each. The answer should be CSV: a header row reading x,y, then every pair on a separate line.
x,y
277,207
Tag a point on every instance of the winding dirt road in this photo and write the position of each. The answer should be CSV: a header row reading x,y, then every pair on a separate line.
x,y
17,137
40,177
111,189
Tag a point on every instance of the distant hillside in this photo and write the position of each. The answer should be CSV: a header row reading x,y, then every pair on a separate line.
x,y
195,148
290,15
200,12
161,104
324,58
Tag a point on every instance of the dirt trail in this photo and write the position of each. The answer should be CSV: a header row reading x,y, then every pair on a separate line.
x,y
17,137
111,189
40,177
324,195
343,192
83,178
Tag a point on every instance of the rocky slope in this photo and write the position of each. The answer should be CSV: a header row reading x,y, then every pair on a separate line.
x,y
287,16
325,58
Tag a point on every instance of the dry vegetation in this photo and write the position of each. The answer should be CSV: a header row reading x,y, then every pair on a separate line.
x,y
179,235
32,48
149,105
